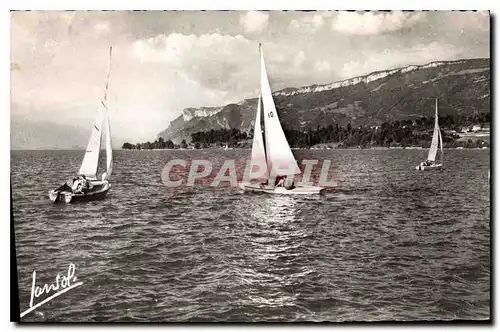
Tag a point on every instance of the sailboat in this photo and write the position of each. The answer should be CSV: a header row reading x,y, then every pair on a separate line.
x,y
97,188
273,152
437,142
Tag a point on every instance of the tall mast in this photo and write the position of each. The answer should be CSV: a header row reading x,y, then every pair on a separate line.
x,y
107,78
262,64
109,149
439,131
436,109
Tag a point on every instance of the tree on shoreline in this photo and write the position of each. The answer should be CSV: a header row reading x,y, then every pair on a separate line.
x,y
399,133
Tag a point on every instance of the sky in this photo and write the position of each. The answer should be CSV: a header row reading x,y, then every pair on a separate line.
x,y
165,61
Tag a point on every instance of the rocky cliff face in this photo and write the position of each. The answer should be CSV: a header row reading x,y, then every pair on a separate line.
x,y
461,86
190,113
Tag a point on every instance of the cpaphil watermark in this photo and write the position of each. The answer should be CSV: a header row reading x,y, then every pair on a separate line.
x,y
179,172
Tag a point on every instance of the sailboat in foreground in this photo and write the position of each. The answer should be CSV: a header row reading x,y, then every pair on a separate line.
x,y
273,153
437,141
92,188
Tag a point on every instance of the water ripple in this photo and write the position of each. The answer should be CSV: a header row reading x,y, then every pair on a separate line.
x,y
389,244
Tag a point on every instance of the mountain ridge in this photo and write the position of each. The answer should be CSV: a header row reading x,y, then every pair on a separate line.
x,y
366,78
395,94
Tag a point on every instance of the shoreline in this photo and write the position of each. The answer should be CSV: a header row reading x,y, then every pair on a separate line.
x,y
222,149
350,148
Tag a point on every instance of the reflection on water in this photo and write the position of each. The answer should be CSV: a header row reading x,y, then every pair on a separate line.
x,y
272,209
391,243
275,242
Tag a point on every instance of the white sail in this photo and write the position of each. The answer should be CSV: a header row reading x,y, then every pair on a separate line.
x,y
258,152
435,139
441,145
109,149
280,159
91,158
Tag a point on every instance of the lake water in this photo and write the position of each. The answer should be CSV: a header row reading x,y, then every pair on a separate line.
x,y
389,243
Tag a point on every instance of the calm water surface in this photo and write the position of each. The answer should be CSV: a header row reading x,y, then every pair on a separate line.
x,y
390,243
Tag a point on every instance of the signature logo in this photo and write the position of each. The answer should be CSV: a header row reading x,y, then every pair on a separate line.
x,y
62,284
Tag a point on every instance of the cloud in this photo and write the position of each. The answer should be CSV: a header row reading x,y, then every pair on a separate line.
x,y
322,66
228,65
309,23
254,21
102,27
469,21
164,61
299,59
68,16
393,58
177,48
213,60
373,23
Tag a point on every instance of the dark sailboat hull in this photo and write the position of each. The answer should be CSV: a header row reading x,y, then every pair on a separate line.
x,y
428,168
67,196
299,190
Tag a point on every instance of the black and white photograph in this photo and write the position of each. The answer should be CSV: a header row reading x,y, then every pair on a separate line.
x,y
250,166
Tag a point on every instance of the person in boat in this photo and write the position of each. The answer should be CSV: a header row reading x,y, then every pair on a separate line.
x,y
285,181
280,181
68,185
85,184
81,185
289,184
77,185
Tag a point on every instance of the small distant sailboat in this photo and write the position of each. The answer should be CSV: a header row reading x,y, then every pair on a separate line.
x,y
97,189
274,151
437,142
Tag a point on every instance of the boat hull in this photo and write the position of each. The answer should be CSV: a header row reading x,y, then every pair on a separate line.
x,y
299,190
66,196
428,168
